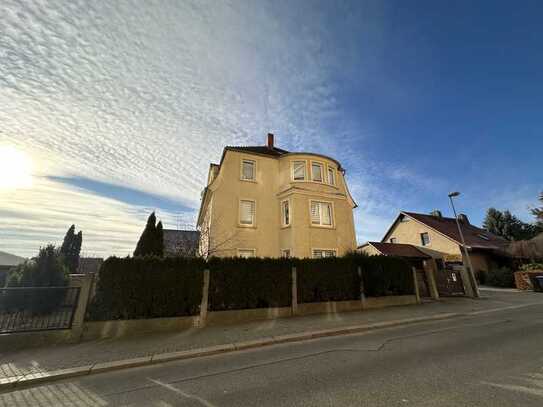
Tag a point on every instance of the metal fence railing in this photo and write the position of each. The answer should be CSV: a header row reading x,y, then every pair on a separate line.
x,y
24,309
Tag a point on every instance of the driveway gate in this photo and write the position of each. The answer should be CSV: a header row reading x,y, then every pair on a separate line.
x,y
449,282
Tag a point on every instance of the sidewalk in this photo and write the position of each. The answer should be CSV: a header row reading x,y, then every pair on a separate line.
x,y
39,361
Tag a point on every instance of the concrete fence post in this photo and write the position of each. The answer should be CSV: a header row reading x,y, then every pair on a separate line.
x,y
84,282
430,269
417,293
294,293
362,293
205,300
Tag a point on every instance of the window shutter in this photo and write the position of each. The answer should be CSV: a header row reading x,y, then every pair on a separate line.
x,y
315,212
246,253
247,212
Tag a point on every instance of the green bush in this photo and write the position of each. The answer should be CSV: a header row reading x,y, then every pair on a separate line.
x,y
238,283
500,277
147,287
328,279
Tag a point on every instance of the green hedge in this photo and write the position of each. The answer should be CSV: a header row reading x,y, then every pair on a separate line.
x,y
151,287
337,279
147,287
384,275
328,279
237,283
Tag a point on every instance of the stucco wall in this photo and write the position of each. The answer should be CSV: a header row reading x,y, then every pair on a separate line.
x,y
409,232
274,184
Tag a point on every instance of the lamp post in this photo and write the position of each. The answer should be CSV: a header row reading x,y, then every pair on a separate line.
x,y
471,276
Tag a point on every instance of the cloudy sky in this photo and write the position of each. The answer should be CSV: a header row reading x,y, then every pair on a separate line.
x,y
111,109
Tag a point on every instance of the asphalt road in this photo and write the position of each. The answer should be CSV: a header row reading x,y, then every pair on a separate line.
x,y
493,359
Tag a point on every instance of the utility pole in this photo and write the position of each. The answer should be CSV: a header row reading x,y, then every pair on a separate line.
x,y
471,275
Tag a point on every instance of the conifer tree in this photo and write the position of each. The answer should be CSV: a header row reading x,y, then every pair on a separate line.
x,y
159,240
71,249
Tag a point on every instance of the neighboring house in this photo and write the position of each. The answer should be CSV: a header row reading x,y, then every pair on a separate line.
x,y
418,259
267,202
89,265
406,251
181,242
7,261
438,237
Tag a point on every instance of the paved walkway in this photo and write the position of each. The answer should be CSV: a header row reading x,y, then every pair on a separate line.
x,y
38,360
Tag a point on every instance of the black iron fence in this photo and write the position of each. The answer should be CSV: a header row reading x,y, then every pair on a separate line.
x,y
24,309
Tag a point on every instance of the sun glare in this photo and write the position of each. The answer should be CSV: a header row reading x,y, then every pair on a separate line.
x,y
15,169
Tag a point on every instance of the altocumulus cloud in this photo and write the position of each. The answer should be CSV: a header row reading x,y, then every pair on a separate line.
x,y
143,95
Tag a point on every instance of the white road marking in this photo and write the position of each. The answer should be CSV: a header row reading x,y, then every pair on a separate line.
x,y
182,393
512,387
488,311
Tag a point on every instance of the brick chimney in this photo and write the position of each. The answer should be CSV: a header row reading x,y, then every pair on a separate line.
x,y
270,141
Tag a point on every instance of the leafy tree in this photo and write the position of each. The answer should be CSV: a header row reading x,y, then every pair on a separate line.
x,y
151,241
71,249
508,225
45,270
538,212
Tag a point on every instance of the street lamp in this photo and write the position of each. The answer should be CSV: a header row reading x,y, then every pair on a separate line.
x,y
471,276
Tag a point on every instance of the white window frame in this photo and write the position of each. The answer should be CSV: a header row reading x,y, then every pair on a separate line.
x,y
320,224
283,251
330,169
321,164
283,223
246,225
422,240
292,170
241,177
246,250
313,250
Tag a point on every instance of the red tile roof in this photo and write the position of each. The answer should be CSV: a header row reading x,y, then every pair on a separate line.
x,y
475,237
399,249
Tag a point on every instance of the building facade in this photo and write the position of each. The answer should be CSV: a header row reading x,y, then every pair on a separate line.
x,y
267,202
438,237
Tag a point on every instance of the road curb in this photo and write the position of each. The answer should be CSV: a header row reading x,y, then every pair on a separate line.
x,y
29,380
